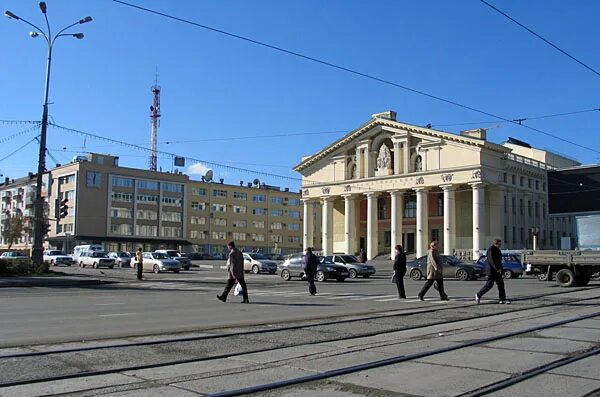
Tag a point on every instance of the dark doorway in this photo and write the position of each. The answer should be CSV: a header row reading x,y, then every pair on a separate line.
x,y
410,242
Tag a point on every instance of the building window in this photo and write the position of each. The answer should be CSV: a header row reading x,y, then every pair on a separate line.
x,y
418,164
239,223
276,212
147,214
293,201
529,208
170,231
259,211
506,233
293,239
258,237
121,229
505,177
145,198
239,209
258,224
259,198
198,220
381,208
521,207
537,209
544,186
294,214
240,195
125,197
219,193
529,183
513,179
220,221
197,234
66,179
196,205
410,207
239,236
276,238
522,236
521,181
172,201
440,205
124,213
435,234
505,208
544,210
146,230
170,216
93,179
123,182
219,208
537,185
277,200
514,235
276,225
198,191
514,206
172,187
147,185
293,227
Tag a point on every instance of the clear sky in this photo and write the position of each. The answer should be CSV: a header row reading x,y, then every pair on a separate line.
x,y
216,87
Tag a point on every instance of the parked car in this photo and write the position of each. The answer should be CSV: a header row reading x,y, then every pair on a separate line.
x,y
453,268
293,266
353,264
14,255
259,263
510,263
275,257
159,262
122,259
198,256
186,263
57,257
95,259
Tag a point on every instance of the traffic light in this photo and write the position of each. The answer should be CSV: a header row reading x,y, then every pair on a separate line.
x,y
45,228
64,208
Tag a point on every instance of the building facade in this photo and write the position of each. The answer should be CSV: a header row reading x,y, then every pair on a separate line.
x,y
17,198
389,183
125,208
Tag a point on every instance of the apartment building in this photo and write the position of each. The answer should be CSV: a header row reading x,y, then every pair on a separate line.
x,y
125,208
17,198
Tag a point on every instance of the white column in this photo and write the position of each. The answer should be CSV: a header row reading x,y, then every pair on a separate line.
x,y
406,157
449,219
397,198
478,217
327,225
349,224
422,222
372,232
397,157
307,224
359,163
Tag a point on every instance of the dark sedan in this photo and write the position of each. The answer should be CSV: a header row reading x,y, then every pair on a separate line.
x,y
293,266
453,268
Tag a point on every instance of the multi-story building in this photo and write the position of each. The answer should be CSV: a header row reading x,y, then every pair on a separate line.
x,y
389,183
124,208
17,198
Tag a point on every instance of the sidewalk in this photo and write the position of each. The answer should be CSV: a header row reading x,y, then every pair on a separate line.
x,y
52,281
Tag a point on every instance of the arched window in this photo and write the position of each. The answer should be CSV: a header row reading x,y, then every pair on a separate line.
x,y
418,164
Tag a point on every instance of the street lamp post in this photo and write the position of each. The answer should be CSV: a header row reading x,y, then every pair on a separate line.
x,y
38,234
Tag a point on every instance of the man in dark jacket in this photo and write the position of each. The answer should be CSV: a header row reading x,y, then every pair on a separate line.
x,y
362,256
235,270
400,271
310,269
494,258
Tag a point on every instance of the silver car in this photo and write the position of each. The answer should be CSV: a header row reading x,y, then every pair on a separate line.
x,y
259,263
354,266
122,259
158,262
95,259
56,257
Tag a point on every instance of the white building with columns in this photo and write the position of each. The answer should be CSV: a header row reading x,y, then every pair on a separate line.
x,y
388,183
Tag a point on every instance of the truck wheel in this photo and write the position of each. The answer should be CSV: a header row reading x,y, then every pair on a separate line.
x,y
565,278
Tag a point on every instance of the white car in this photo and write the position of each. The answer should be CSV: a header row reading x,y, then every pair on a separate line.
x,y
186,263
259,263
56,257
159,262
95,259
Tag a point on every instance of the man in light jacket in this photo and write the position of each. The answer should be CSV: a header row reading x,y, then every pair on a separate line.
x,y
435,272
494,258
235,270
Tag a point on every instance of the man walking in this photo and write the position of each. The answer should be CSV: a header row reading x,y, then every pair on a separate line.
x,y
310,269
139,263
235,270
435,272
362,256
494,258
400,271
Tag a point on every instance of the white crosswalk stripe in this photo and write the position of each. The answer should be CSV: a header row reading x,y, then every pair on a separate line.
x,y
371,297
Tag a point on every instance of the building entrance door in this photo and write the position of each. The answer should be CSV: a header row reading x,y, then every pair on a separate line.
x,y
410,242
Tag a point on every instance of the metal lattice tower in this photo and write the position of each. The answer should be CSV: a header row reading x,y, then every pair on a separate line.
x,y
154,123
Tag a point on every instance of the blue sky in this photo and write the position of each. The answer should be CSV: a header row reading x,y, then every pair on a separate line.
x,y
216,87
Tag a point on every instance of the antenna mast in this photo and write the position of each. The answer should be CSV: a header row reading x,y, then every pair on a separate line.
x,y
154,123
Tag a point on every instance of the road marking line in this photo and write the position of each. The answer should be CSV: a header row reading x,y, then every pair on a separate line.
x,y
109,304
371,297
116,314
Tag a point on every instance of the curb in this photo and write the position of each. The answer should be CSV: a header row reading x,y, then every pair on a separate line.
x,y
51,283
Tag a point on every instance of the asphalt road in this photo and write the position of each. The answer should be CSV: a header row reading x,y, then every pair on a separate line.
x,y
171,303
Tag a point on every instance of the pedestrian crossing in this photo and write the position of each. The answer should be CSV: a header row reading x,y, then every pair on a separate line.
x,y
282,294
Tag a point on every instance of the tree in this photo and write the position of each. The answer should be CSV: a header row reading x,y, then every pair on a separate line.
x,y
15,227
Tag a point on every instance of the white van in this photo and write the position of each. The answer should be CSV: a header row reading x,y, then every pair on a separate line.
x,y
85,248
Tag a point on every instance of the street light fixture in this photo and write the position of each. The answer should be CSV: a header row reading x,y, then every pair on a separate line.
x,y
39,218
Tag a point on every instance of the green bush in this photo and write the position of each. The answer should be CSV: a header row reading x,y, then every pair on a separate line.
x,y
17,267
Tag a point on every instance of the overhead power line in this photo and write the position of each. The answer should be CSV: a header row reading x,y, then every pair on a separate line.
x,y
233,138
18,149
351,71
541,38
16,134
